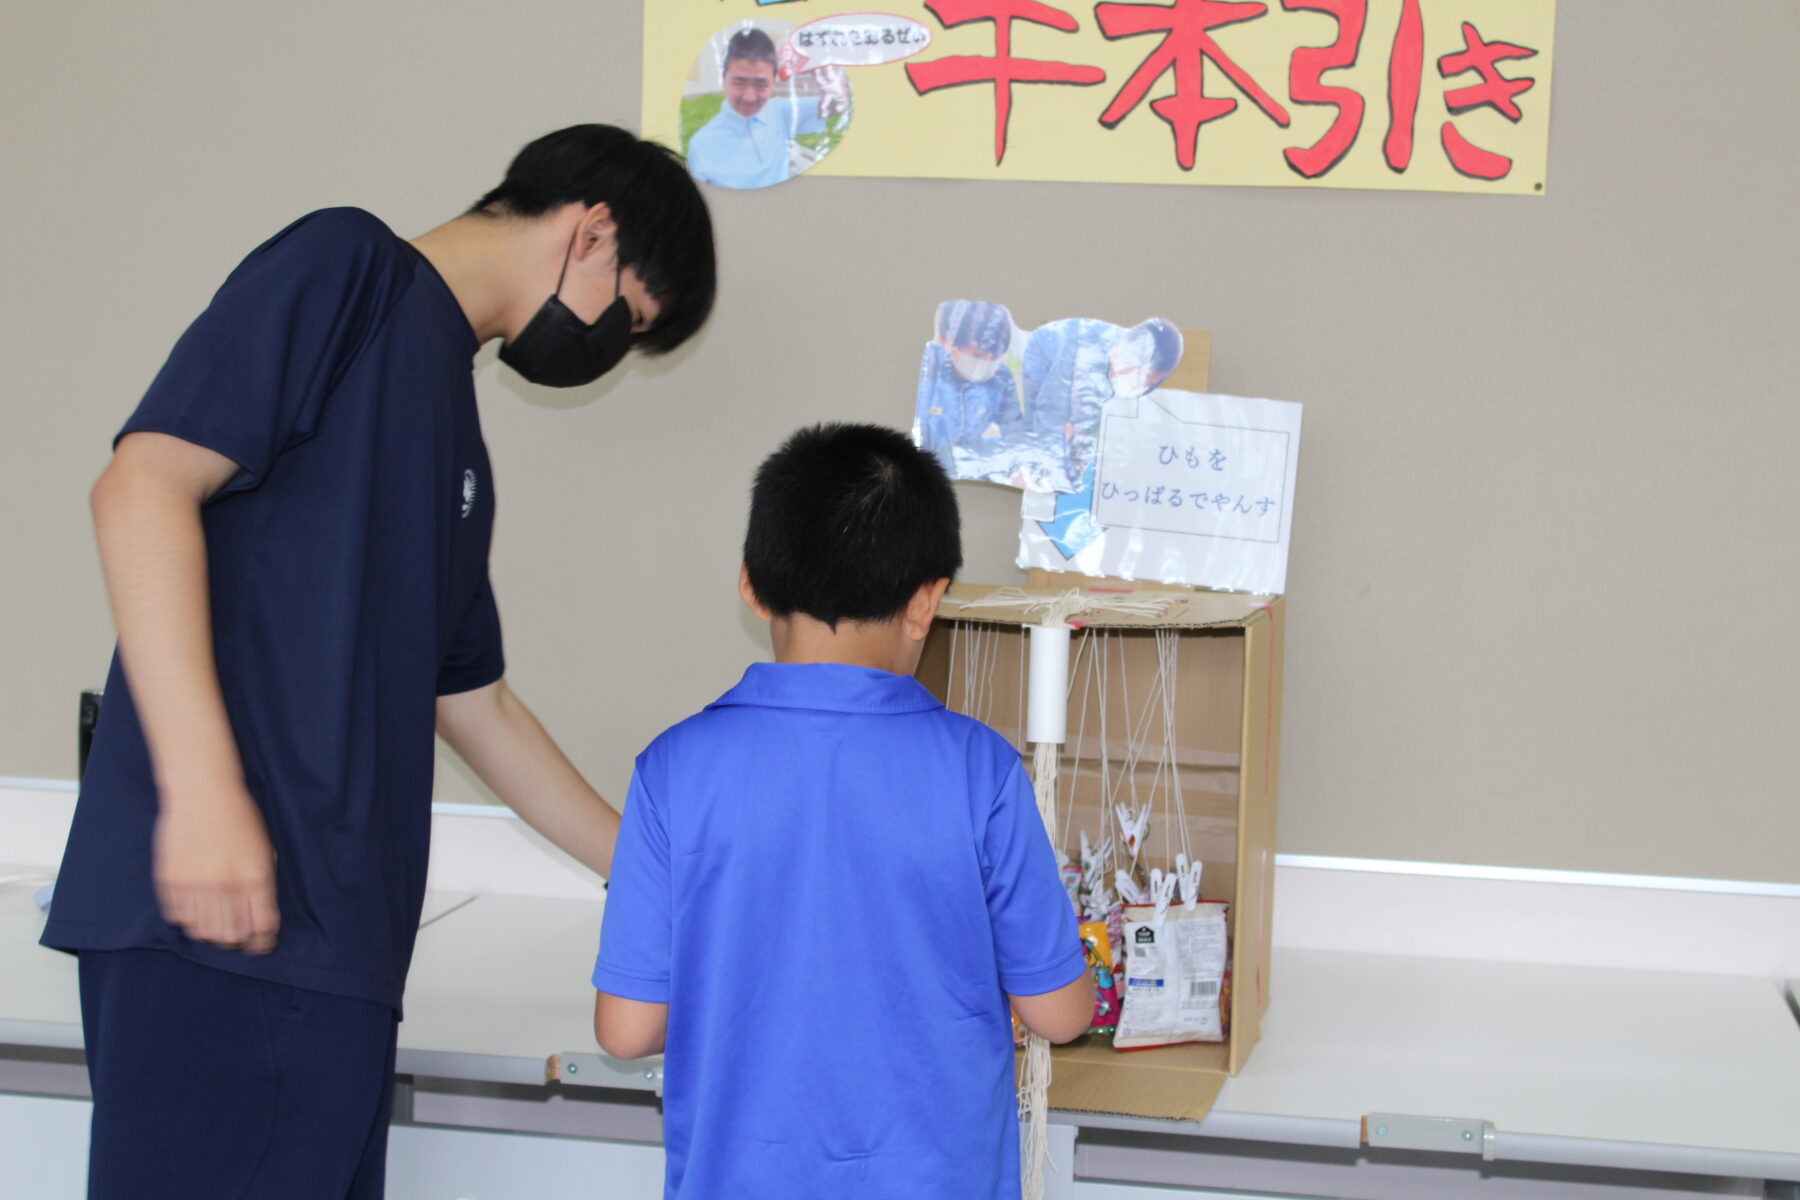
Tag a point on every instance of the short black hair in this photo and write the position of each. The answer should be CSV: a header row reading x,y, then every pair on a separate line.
x,y
847,523
751,45
1165,340
664,231
975,325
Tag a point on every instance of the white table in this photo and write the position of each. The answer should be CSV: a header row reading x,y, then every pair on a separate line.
x,y
1636,1070
1576,1066
1613,1068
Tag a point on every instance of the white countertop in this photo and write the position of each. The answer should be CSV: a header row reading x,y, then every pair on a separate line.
x,y
1571,1064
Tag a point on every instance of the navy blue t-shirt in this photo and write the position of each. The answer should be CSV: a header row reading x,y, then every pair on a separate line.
x,y
832,881
347,561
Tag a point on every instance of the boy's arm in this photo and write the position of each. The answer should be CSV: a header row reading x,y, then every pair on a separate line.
x,y
635,963
504,744
211,859
629,1028
1062,1015
1036,944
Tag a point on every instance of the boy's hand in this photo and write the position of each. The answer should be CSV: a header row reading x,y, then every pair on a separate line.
x,y
215,871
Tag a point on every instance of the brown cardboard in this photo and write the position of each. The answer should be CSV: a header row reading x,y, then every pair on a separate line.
x,y
1227,751
1191,373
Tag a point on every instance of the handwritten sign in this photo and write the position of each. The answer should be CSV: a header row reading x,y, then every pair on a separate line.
x,y
1445,95
1189,488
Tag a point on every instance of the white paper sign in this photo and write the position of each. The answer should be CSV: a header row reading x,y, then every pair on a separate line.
x,y
1188,488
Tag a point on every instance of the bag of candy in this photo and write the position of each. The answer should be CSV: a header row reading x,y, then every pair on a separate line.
x,y
1175,961
1097,948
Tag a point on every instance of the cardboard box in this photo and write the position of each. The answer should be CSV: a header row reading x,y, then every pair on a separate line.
x,y
1227,740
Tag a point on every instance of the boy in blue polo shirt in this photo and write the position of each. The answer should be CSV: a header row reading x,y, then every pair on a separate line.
x,y
827,885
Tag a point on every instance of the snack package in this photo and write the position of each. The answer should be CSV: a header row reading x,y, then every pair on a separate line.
x,y
1020,1034
1174,975
1097,948
1071,880
1225,1003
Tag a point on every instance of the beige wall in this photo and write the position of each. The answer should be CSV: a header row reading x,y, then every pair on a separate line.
x,y
1542,593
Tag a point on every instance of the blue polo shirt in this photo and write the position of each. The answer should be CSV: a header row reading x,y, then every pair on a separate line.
x,y
736,151
347,563
832,881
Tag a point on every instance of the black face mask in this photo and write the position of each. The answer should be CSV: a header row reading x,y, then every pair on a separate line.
x,y
558,349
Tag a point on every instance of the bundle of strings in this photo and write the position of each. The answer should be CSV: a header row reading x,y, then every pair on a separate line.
x,y
977,660
1060,608
1034,1082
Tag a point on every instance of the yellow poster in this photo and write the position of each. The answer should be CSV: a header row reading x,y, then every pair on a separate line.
x,y
1420,95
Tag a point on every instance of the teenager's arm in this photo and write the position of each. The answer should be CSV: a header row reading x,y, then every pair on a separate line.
x,y
503,743
1062,1015
213,867
629,1028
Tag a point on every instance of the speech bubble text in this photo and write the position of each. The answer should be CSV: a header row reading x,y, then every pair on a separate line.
x,y
852,40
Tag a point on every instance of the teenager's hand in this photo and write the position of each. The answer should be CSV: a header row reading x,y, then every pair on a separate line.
x,y
499,737
215,871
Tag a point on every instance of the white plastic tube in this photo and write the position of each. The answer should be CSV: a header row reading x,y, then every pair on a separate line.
x,y
1047,707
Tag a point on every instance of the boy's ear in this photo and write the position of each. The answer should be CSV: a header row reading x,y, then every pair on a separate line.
x,y
916,620
748,595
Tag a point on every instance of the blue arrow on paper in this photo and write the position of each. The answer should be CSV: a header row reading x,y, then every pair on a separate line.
x,y
1068,531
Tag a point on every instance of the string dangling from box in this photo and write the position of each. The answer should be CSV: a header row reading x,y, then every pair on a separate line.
x,y
1053,649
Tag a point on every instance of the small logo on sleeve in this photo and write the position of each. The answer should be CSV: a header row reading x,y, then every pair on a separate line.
x,y
471,489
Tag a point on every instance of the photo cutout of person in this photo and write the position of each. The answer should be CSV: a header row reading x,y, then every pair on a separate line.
x,y
968,413
746,122
1073,368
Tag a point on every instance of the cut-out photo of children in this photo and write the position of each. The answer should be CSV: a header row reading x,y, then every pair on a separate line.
x,y
1073,368
968,410
748,118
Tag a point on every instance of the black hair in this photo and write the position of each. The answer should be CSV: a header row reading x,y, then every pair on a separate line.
x,y
975,325
847,523
663,229
1165,344
751,45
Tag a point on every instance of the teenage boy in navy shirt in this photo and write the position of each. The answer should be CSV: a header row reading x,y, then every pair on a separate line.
x,y
828,872
294,528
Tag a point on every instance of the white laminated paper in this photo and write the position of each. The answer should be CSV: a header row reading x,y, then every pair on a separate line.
x,y
1187,488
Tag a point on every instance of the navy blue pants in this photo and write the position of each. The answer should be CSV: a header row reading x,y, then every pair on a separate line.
x,y
214,1086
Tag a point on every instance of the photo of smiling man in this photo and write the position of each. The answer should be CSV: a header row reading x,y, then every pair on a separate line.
x,y
756,125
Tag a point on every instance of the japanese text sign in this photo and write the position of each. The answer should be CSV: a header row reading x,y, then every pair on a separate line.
x,y
1433,95
1188,488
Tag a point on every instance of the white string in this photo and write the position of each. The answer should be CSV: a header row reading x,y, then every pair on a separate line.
x,y
1058,608
1123,852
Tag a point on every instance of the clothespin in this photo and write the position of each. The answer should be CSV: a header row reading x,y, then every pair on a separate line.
x,y
1162,890
1131,827
1129,891
1099,903
1093,873
1189,876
